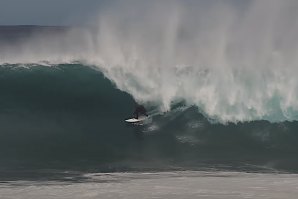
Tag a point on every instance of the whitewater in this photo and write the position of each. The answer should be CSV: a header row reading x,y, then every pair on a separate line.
x,y
161,185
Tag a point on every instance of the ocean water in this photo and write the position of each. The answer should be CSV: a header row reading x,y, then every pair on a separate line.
x,y
218,79
63,135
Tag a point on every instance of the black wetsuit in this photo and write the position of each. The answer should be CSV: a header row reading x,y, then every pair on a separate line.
x,y
140,110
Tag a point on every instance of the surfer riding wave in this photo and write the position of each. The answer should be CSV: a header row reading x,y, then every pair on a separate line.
x,y
140,111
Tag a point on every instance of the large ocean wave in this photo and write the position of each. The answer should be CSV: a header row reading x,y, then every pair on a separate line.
x,y
71,116
219,79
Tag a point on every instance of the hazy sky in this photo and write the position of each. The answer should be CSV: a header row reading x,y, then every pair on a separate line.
x,y
48,12
65,12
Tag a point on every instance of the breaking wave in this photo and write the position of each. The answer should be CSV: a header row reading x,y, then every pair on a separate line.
x,y
71,116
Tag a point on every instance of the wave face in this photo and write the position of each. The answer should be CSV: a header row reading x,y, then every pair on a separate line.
x,y
71,116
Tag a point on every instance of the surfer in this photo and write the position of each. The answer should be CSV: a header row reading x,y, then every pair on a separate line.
x,y
139,110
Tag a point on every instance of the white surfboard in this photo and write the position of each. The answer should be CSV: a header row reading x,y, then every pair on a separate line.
x,y
135,120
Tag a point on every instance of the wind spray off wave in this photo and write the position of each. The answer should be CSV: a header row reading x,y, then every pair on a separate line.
x,y
234,62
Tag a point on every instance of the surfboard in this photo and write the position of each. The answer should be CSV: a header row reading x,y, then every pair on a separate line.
x,y
135,120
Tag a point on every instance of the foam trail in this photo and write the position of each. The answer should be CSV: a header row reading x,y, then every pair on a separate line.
x,y
236,62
